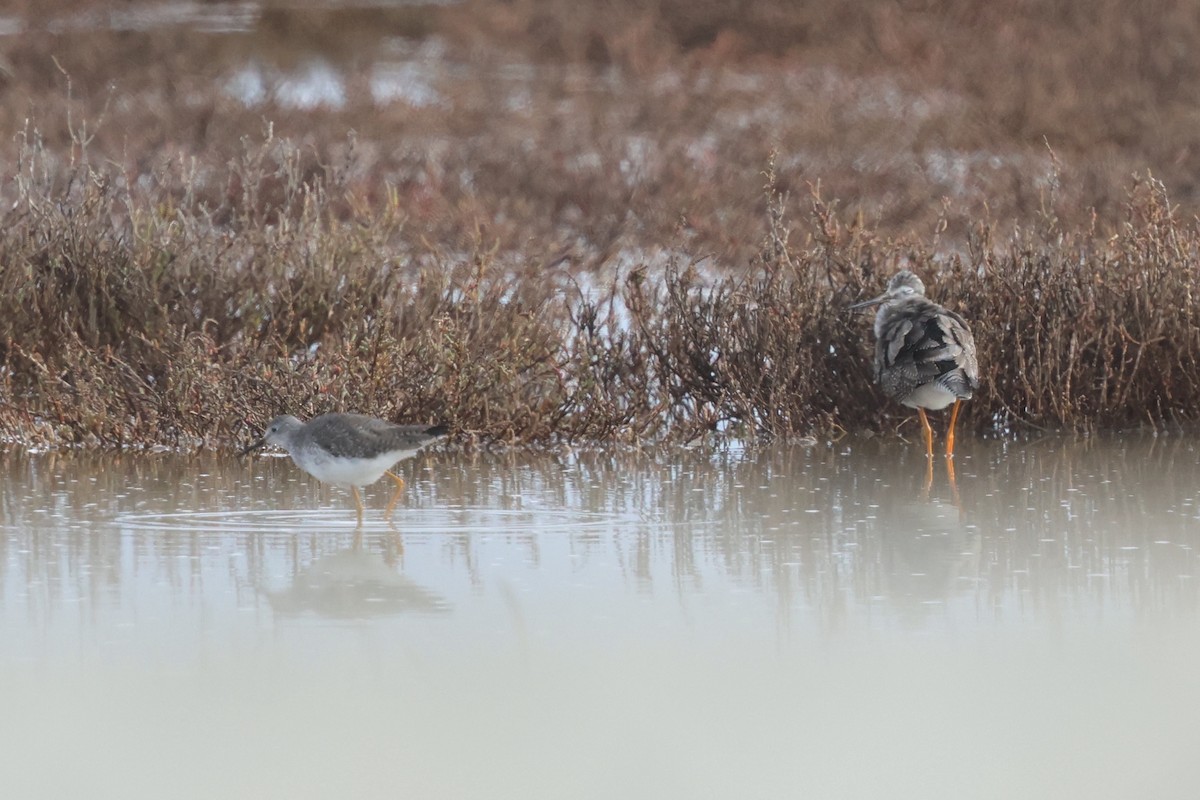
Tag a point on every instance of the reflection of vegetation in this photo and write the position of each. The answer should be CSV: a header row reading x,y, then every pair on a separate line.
x,y
169,281
1048,528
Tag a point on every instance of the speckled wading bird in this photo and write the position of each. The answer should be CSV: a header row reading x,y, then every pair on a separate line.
x,y
924,354
349,449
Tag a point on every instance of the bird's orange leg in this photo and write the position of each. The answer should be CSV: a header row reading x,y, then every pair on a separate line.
x,y
950,432
395,496
928,433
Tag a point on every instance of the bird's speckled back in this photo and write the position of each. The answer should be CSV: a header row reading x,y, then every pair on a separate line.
x,y
919,342
361,436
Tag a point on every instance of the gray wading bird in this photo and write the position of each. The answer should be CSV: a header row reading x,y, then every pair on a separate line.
x,y
349,449
924,354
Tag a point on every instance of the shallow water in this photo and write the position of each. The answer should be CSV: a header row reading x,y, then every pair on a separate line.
x,y
785,621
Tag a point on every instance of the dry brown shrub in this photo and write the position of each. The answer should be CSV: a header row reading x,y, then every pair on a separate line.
x,y
177,266
135,318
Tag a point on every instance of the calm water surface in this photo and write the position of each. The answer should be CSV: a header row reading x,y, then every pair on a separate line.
x,y
799,622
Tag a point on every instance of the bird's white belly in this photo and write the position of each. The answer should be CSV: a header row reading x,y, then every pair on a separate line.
x,y
930,396
345,471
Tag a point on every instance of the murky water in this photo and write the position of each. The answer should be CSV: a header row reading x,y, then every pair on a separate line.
x,y
797,622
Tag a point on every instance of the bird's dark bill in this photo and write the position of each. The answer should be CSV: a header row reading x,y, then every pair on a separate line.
x,y
867,303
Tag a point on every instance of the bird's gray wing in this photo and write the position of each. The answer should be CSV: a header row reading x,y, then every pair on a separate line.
x,y
412,437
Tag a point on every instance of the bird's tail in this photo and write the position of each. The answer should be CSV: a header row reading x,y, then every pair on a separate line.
x,y
959,384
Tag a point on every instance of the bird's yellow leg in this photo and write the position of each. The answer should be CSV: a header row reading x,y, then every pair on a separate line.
x,y
950,432
928,433
928,479
395,496
358,503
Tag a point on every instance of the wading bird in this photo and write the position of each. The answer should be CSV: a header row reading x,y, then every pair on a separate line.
x,y
924,353
349,449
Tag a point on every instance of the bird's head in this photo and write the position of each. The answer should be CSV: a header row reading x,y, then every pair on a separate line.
x,y
903,284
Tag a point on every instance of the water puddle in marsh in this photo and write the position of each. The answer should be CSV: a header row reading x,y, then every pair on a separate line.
x,y
774,622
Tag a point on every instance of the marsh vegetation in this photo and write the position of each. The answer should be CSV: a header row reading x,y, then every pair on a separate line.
x,y
542,222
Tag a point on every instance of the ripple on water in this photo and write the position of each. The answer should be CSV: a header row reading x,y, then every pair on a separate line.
x,y
444,520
